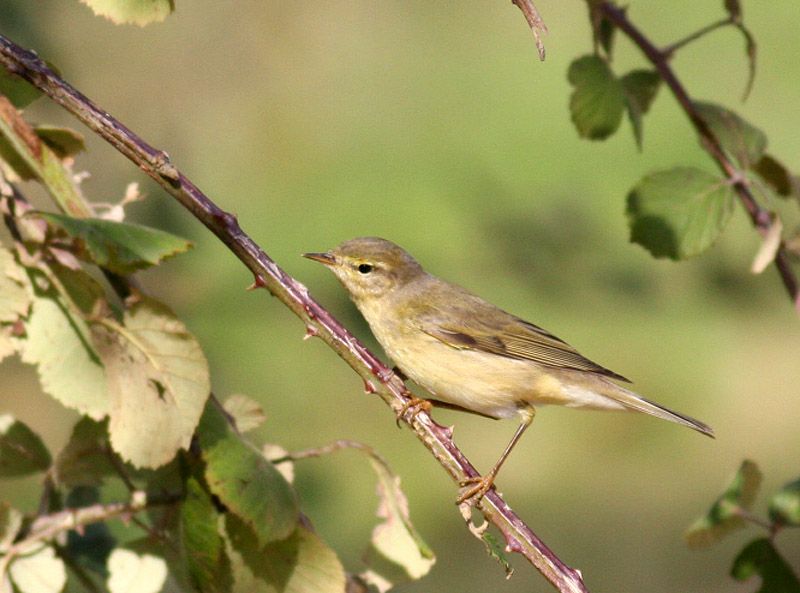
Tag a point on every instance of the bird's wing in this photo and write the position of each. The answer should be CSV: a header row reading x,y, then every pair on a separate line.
x,y
513,338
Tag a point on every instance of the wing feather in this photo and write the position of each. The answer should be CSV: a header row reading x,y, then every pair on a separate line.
x,y
520,340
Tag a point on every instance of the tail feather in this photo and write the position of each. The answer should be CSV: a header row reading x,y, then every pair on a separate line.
x,y
634,401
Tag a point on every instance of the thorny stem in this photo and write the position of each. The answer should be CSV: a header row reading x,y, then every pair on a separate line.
x,y
377,376
760,217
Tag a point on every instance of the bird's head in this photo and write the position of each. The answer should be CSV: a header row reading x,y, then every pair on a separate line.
x,y
369,267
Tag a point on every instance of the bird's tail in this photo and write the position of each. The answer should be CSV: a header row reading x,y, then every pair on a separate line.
x,y
634,401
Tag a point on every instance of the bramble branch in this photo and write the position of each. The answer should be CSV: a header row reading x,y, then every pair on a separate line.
x,y
377,377
760,217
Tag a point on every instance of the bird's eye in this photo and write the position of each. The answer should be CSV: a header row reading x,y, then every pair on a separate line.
x,y
365,268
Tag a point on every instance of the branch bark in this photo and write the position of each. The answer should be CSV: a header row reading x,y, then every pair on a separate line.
x,y
46,527
378,378
760,217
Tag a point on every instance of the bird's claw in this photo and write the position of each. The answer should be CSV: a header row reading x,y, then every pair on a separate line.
x,y
475,489
415,405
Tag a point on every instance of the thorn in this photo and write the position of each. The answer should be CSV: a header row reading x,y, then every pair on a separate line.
x,y
258,282
369,387
448,430
311,332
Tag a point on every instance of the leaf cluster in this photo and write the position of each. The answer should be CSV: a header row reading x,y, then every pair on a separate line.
x,y
680,212
732,511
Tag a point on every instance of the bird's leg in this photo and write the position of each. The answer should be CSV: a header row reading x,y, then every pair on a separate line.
x,y
480,485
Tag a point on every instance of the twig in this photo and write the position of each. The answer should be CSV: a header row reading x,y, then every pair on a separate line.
x,y
336,445
760,217
535,22
673,47
46,527
377,376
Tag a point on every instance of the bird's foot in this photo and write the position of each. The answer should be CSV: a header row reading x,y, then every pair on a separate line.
x,y
415,405
475,488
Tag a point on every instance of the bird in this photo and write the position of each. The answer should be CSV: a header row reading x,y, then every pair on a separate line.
x,y
471,355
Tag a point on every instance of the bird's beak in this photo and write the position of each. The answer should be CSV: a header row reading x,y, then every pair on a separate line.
x,y
323,258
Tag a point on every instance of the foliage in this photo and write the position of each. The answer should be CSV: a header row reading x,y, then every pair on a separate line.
x,y
732,511
680,212
216,513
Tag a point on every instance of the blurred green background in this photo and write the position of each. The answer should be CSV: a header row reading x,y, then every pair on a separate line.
x,y
434,124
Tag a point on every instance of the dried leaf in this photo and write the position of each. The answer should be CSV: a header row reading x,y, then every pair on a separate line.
x,y
769,247
38,571
129,572
246,412
138,12
158,383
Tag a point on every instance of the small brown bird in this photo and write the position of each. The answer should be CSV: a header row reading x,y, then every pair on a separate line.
x,y
469,354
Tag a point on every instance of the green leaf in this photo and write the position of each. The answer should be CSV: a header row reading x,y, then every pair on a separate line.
x,y
777,176
603,29
10,524
60,344
203,546
64,142
679,213
597,103
19,91
38,571
120,247
497,551
640,88
128,571
158,382
761,558
300,563
246,483
784,507
86,459
724,515
740,139
246,413
22,452
138,12
14,299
